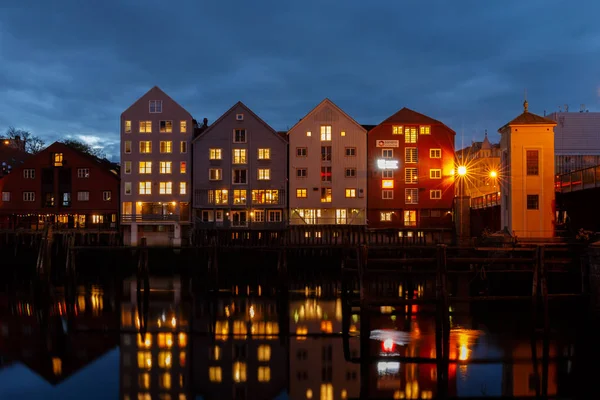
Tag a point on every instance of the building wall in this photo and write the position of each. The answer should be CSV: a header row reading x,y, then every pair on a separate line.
x,y
516,140
130,171
221,136
327,114
442,138
100,179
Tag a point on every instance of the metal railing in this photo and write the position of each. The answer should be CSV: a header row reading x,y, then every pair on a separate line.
x,y
586,178
488,200
149,217
279,225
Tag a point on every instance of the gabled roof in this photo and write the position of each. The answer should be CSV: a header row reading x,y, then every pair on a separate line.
x,y
332,104
408,116
153,90
222,117
527,118
368,127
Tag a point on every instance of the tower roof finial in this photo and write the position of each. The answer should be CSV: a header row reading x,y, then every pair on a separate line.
x,y
486,133
525,103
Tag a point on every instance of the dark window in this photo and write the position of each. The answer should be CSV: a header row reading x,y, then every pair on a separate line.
x,y
533,202
325,153
533,161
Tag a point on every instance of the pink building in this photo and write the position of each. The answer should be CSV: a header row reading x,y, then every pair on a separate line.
x,y
156,170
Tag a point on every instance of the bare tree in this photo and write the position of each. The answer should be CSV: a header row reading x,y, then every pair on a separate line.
x,y
84,147
32,144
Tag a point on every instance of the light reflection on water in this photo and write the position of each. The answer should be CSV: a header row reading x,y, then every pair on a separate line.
x,y
175,345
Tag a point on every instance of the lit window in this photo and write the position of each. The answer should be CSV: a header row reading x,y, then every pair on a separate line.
x,y
387,194
145,167
309,134
182,358
411,196
385,216
435,174
155,106
97,219
215,374
183,147
264,374
215,174
165,167
264,174
144,341
182,167
215,353
410,218
218,196
343,133
326,132
165,126
264,352
435,194
145,187
239,156
164,359
145,126
58,159
326,391
410,135
144,360
397,130
127,126
411,175
239,197
144,380
239,136
165,187
165,340
239,372
182,187
435,153
165,381
325,195
182,339
350,192
387,184
57,366
145,147
326,326
266,196
410,155
214,154
166,146
183,126
127,147
264,154
301,193
425,130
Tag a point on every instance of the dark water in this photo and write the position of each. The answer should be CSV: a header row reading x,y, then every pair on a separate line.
x,y
109,341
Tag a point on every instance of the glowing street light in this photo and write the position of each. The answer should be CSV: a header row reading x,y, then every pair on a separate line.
x,y
462,170
493,174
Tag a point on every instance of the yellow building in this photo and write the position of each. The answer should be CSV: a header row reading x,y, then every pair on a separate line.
x,y
527,181
482,160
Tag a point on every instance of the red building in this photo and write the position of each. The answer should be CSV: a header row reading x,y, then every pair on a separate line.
x,y
63,186
410,172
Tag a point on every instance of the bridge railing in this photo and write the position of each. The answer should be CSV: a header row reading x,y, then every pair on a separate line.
x,y
586,178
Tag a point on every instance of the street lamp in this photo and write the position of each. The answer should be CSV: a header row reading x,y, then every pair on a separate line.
x,y
462,170
493,174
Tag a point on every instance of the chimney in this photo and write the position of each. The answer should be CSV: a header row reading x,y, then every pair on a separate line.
x,y
205,121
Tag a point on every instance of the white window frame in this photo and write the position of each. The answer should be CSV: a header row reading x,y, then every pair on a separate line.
x,y
155,106
145,126
299,176
409,152
217,171
265,176
235,131
215,153
385,216
83,195
127,126
271,213
166,126
411,178
168,167
183,147
5,196
387,153
127,167
168,145
351,150
351,175
107,195
241,159
387,174
387,194
183,187
435,173
263,153
301,150
28,196
351,191
435,194
325,133
127,146
165,187
256,215
233,182
83,172
183,126
414,196
435,153
127,188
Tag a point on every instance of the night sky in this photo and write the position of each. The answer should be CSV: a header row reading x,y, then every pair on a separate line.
x,y
69,68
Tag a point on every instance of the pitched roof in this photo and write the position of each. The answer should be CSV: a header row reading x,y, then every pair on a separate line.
x,y
408,116
369,127
527,118
154,89
239,103
331,103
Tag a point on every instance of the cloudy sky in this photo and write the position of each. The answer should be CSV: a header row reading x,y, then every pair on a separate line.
x,y
70,67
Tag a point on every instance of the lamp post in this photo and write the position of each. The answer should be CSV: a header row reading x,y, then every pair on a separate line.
x,y
463,220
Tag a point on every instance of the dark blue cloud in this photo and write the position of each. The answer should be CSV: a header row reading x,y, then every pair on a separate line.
x,y
72,69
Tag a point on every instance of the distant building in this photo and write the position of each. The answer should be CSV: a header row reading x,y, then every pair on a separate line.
x,y
327,168
63,186
411,164
576,140
240,173
527,184
482,160
156,170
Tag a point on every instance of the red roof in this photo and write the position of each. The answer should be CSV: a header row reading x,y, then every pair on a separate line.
x,y
527,118
408,116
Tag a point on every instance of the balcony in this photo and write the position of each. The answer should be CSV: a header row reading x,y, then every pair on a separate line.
x,y
242,225
128,218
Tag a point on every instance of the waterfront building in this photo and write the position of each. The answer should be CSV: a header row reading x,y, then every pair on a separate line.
x,y
12,154
576,140
482,160
240,173
156,170
527,183
327,168
411,172
62,186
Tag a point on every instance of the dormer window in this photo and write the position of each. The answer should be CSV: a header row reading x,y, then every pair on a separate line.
x,y
58,159
155,106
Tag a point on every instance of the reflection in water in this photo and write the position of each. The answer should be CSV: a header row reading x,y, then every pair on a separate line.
x,y
243,344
